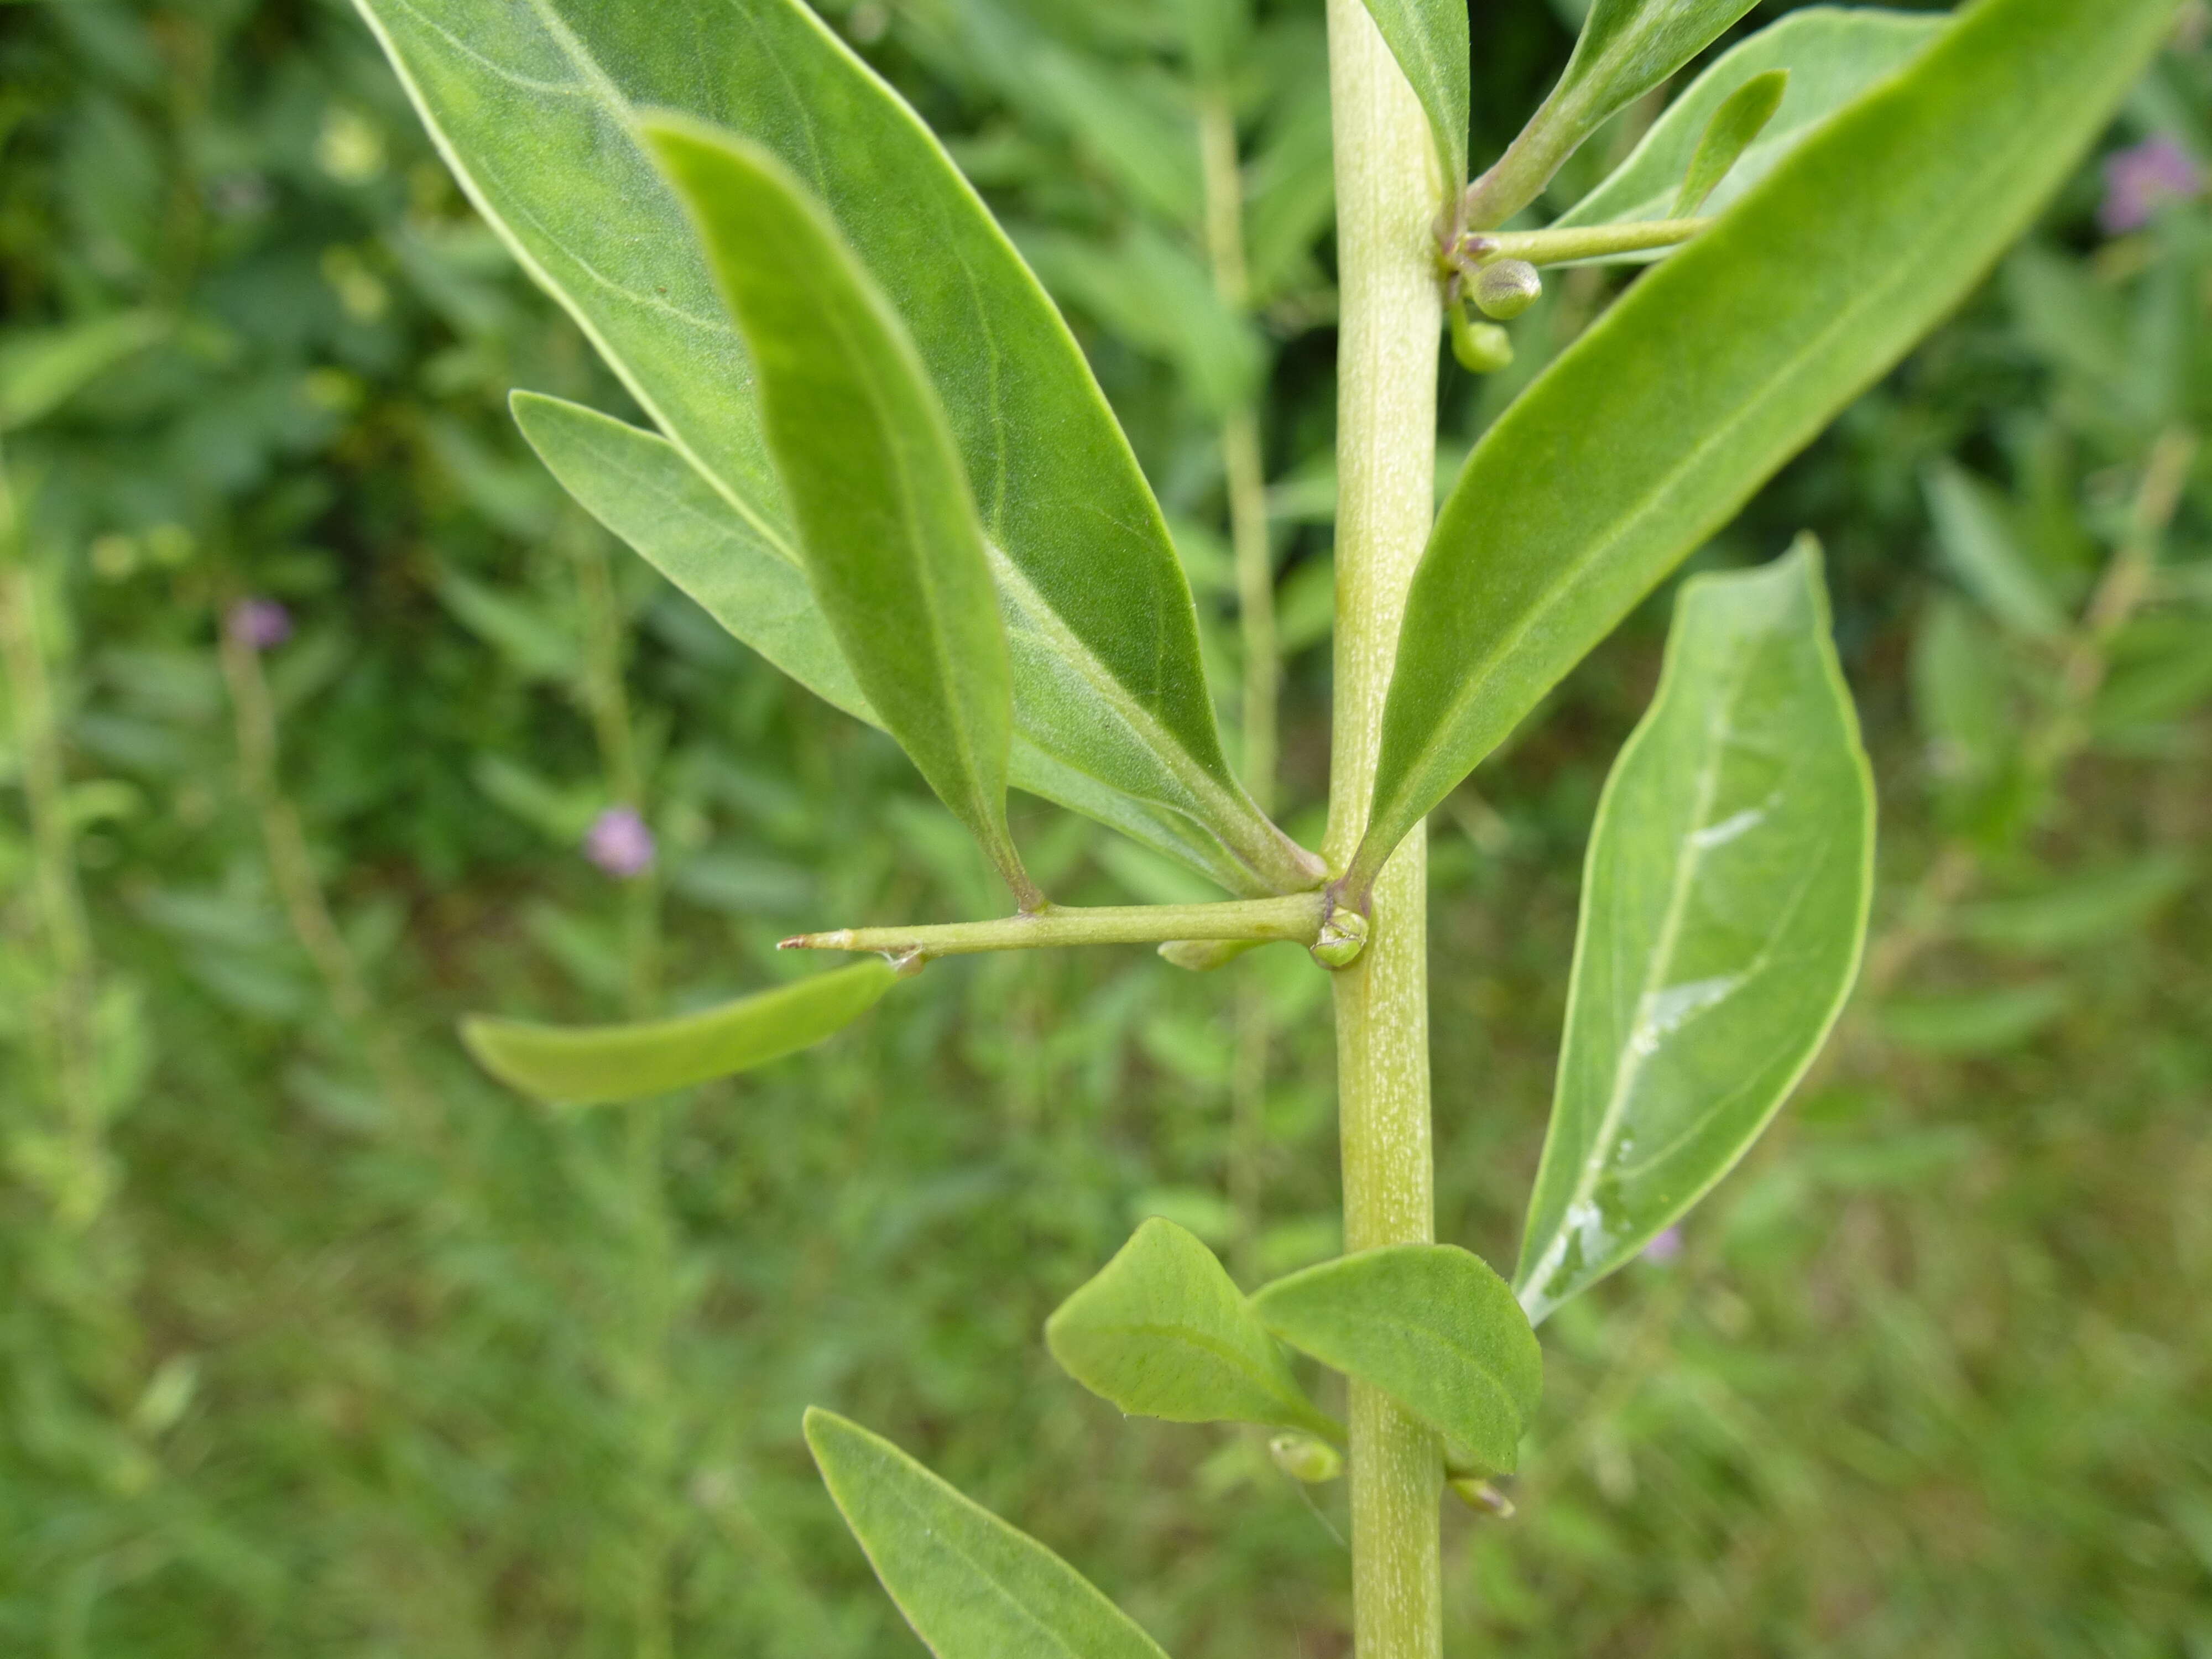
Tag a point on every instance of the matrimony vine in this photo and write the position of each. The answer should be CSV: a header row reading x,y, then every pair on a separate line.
x,y
878,458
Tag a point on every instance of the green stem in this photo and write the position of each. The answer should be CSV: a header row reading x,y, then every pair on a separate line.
x,y
54,852
1559,247
651,1305
1294,917
1386,184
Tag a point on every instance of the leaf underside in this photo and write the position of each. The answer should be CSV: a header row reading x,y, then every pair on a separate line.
x,y
971,1586
589,1064
1724,910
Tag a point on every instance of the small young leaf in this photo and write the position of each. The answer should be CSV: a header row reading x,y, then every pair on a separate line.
x,y
1432,1326
1736,124
1649,433
1163,1332
591,1064
1982,552
1833,55
971,1586
891,541
1724,909
1429,39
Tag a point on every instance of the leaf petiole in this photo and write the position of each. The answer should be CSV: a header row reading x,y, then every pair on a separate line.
x,y
1559,247
1295,917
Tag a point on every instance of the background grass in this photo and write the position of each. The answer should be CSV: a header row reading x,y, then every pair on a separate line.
x,y
312,1341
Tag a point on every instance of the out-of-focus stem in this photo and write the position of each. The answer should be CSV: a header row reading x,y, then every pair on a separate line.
x,y
1244,472
53,846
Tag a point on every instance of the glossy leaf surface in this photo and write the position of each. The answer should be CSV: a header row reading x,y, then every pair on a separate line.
x,y
1163,1331
1429,39
1432,1326
590,1064
1654,427
887,527
1724,906
1735,126
534,107
637,485
1626,48
971,1586
1833,55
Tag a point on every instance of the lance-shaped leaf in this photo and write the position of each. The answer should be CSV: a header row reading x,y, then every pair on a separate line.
x,y
1432,1326
637,485
1724,906
889,532
1430,41
971,1586
1831,54
1163,1331
590,1064
534,107
1652,429
1735,126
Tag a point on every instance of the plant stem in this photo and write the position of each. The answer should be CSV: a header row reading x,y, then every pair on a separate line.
x,y
53,852
1388,185
1244,473
1557,247
1296,917
292,867
650,1295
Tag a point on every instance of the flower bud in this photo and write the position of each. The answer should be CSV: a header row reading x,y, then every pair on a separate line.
x,y
1479,1494
1506,288
1481,348
1304,1458
1343,937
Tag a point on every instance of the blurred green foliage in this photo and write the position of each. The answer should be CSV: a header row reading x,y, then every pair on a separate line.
x,y
314,1341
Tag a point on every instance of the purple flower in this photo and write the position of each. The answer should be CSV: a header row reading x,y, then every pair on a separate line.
x,y
259,624
2140,180
1666,1249
619,843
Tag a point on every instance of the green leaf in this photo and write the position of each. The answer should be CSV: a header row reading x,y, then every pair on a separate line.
x,y
638,487
1982,552
1833,56
1735,127
1724,909
591,1064
642,489
1432,1326
887,529
1162,1331
1725,361
534,107
971,1586
1429,39
42,370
